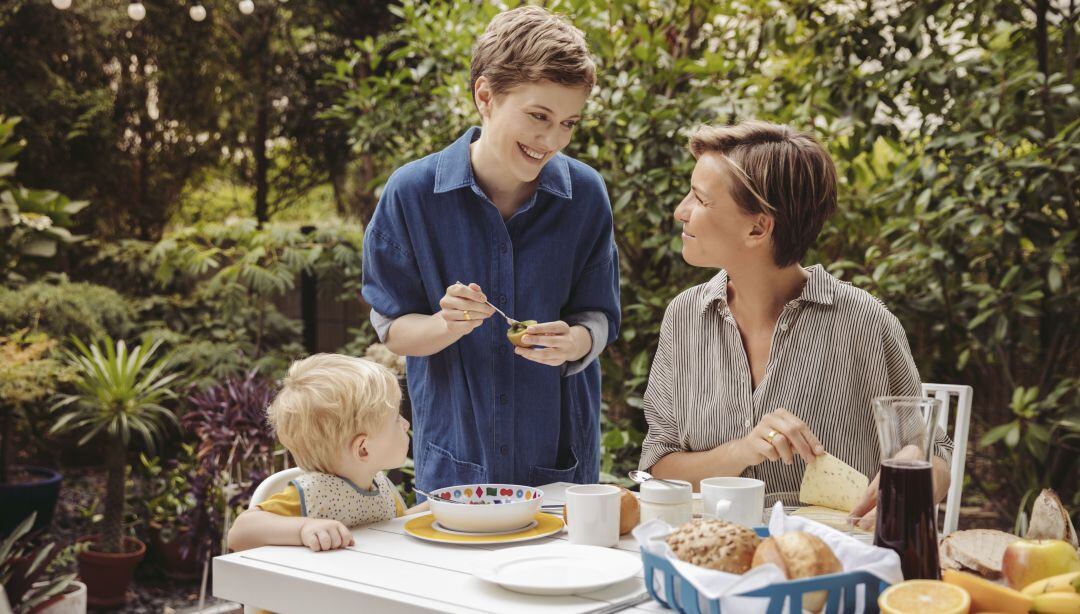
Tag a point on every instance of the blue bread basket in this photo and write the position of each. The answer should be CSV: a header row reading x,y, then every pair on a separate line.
x,y
842,589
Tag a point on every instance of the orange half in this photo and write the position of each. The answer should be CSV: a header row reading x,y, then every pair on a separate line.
x,y
918,596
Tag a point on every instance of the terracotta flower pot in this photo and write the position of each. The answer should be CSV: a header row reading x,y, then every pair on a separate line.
x,y
108,574
170,555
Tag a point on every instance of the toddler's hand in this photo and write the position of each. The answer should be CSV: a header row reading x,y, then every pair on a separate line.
x,y
322,534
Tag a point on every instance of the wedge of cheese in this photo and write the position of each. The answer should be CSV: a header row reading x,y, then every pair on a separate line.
x,y
830,482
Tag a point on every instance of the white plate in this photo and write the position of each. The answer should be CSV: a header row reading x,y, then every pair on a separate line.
x,y
558,570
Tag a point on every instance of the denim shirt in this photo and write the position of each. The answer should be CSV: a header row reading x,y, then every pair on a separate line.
x,y
480,412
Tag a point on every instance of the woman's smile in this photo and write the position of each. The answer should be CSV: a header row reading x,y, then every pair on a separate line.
x,y
534,156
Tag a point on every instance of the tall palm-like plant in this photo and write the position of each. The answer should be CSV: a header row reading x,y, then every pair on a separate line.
x,y
120,396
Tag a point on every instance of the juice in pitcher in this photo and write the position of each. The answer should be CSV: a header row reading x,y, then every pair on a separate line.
x,y
906,514
906,518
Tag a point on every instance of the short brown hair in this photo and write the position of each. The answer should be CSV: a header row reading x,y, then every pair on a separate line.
x,y
779,171
527,45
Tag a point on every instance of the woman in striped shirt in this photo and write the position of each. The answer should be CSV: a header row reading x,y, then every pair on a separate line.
x,y
769,364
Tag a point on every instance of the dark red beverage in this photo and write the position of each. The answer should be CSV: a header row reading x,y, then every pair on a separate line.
x,y
906,520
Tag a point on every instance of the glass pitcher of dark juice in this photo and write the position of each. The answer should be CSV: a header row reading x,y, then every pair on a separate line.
x,y
906,515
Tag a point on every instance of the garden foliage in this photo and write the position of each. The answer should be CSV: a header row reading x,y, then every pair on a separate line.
x,y
954,127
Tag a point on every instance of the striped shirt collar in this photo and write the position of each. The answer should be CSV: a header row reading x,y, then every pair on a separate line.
x,y
819,288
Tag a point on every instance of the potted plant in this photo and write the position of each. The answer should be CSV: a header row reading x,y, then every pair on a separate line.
x,y
24,571
119,396
166,503
28,376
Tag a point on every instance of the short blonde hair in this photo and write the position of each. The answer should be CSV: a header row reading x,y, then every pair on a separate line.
x,y
325,401
528,44
780,171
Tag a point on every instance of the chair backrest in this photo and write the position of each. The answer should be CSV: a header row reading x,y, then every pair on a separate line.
x,y
273,484
959,434
5,608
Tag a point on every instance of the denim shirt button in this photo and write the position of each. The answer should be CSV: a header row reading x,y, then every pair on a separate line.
x,y
501,349
504,450
502,247
503,399
502,299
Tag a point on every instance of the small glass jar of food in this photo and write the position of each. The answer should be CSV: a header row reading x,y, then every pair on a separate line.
x,y
671,502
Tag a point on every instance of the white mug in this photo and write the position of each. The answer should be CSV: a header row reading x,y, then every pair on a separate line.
x,y
738,500
592,514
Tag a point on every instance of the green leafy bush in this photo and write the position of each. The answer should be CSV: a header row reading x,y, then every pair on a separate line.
x,y
30,375
218,283
32,222
954,132
64,309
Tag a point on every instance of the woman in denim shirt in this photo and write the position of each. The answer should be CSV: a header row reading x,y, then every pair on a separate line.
x,y
529,230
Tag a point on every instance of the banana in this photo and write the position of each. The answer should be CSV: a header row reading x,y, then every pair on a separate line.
x,y
1056,603
1064,583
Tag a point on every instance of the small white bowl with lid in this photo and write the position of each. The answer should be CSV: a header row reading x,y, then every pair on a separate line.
x,y
672,503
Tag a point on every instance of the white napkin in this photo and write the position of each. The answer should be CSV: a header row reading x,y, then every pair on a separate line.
x,y
711,584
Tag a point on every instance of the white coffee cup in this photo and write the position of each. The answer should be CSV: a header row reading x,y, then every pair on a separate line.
x,y
592,514
738,500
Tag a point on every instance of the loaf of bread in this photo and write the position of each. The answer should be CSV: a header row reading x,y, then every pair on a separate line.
x,y
1050,519
977,550
800,555
715,544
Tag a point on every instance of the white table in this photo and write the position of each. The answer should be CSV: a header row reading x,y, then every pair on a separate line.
x,y
390,571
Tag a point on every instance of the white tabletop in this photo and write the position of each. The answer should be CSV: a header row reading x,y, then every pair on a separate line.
x,y
390,571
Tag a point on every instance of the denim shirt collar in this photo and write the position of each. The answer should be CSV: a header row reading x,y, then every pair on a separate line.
x,y
454,169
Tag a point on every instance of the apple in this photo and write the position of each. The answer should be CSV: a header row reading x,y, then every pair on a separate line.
x,y
1031,560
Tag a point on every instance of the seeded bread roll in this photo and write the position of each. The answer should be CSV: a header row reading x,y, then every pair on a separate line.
x,y
715,544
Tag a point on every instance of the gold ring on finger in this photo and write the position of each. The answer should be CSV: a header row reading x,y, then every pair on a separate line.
x,y
772,435
467,316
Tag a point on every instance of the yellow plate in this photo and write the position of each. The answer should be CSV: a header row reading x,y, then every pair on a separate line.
x,y
420,528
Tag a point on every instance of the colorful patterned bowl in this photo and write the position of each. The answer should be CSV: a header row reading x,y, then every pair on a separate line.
x,y
486,508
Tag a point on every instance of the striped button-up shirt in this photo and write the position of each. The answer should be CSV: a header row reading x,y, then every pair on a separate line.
x,y
834,349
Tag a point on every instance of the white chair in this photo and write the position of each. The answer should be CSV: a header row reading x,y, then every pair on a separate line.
x,y
945,393
273,484
5,608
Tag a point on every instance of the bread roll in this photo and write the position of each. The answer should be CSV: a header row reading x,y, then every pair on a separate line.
x,y
715,544
629,512
799,555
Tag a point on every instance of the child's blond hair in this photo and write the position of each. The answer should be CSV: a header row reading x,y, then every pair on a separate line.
x,y
325,401
527,45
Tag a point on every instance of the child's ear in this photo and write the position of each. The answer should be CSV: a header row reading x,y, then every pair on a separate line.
x,y
483,96
358,447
